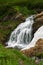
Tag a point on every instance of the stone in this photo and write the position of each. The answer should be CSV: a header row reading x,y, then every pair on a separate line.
x,y
38,21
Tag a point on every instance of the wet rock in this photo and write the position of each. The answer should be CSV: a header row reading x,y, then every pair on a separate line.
x,y
38,21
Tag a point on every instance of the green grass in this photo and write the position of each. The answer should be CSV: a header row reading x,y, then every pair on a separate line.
x,y
24,10
6,10
14,57
32,3
12,1
26,6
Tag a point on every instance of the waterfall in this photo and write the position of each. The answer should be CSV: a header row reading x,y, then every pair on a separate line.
x,y
22,35
37,35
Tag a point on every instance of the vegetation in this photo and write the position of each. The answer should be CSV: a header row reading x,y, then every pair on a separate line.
x,y
14,57
30,3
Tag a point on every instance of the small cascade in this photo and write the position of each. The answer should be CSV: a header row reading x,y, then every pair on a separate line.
x,y
22,35
37,35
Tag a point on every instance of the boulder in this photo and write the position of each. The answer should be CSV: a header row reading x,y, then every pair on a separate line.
x,y
38,21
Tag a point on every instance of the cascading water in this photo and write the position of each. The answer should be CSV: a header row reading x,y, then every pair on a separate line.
x,y
37,35
22,35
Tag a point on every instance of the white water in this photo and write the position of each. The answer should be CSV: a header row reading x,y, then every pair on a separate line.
x,y
38,34
22,35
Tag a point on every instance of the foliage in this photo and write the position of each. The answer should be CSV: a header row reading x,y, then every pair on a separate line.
x,y
14,57
29,3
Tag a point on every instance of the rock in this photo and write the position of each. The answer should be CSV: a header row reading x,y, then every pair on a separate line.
x,y
34,50
28,52
39,42
39,15
37,61
38,21
39,46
